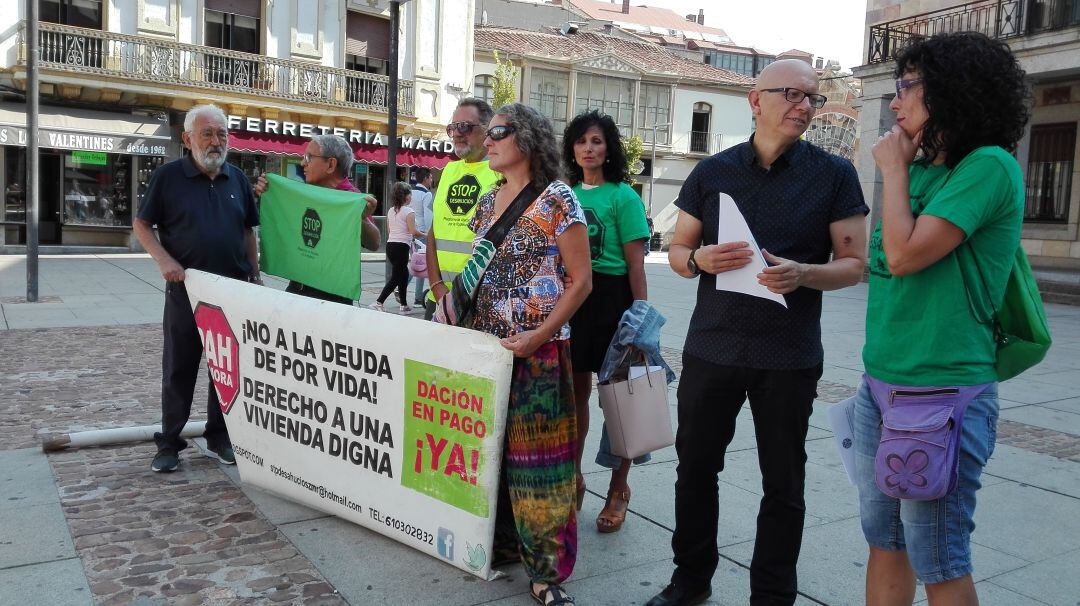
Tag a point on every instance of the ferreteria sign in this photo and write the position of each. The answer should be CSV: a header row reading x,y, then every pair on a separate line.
x,y
363,137
359,414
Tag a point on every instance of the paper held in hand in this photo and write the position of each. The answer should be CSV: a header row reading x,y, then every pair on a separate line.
x,y
733,228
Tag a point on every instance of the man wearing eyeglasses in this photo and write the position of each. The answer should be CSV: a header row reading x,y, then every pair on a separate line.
x,y
326,162
449,241
805,209
205,213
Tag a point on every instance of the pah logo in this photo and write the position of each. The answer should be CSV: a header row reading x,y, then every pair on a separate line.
x,y
462,196
311,228
222,352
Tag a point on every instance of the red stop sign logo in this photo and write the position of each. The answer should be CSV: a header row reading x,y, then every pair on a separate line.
x,y
222,352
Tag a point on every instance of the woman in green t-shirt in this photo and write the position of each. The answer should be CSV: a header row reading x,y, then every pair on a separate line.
x,y
953,202
596,168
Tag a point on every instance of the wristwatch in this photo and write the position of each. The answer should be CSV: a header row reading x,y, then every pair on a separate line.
x,y
692,265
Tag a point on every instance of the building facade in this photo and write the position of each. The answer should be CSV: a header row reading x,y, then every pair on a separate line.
x,y
1045,37
683,110
117,77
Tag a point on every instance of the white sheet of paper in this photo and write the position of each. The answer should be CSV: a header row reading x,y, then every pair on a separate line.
x,y
639,371
733,228
842,420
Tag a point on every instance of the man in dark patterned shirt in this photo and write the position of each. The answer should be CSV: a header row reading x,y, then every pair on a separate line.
x,y
805,209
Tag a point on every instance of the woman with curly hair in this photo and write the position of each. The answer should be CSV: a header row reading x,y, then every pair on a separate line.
x,y
596,168
952,212
523,300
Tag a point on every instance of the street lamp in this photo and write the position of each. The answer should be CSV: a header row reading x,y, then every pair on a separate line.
x,y
652,165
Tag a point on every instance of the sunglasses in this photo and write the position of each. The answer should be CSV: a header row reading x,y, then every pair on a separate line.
x,y
498,133
902,85
461,128
794,95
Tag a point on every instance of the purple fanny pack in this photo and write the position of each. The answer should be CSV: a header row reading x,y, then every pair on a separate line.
x,y
918,456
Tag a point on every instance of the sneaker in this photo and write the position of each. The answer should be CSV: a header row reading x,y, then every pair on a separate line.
x,y
222,453
167,460
404,309
377,306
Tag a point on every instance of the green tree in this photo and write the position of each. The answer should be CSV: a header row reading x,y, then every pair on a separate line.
x,y
505,86
633,147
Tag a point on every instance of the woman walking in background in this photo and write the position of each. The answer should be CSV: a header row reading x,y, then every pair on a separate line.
x,y
596,168
401,225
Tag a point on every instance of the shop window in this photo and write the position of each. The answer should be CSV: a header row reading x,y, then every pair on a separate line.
x,y
654,109
97,189
147,166
484,87
550,93
251,165
15,187
238,31
611,96
1049,172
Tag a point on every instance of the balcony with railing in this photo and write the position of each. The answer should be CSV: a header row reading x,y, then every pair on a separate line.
x,y
699,142
1001,19
89,52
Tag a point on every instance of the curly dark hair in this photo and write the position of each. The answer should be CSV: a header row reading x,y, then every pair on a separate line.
x,y
974,91
536,139
614,167
399,194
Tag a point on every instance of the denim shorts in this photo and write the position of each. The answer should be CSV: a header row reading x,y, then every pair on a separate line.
x,y
935,534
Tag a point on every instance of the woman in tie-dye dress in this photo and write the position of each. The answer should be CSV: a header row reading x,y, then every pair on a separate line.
x,y
525,299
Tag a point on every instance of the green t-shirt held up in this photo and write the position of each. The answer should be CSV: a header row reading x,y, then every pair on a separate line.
x,y
615,215
920,329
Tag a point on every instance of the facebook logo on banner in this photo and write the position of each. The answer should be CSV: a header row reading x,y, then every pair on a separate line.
x,y
445,544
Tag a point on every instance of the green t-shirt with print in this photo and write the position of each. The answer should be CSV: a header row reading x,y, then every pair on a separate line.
x,y
920,329
615,215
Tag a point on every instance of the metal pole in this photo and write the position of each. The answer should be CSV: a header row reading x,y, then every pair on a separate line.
x,y
652,169
392,102
32,164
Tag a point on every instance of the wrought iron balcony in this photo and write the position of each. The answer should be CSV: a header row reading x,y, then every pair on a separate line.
x,y
1000,19
699,142
95,52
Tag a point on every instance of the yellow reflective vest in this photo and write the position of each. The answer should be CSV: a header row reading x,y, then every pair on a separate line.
x,y
460,187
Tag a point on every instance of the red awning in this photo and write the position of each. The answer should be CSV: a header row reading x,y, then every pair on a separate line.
x,y
246,141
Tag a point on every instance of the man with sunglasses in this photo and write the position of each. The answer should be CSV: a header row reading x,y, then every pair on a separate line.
x,y
449,241
805,209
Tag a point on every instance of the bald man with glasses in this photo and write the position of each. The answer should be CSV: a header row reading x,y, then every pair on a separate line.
x,y
805,209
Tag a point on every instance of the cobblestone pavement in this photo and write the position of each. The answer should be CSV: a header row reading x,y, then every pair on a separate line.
x,y
185,538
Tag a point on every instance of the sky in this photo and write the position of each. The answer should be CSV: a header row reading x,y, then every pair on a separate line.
x,y
832,29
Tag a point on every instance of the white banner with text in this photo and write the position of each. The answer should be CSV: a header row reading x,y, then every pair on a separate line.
x,y
390,422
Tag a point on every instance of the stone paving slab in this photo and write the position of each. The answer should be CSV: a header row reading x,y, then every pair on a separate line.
x,y
49,584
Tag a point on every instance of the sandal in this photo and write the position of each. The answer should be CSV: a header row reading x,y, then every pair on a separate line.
x,y
580,490
613,514
558,595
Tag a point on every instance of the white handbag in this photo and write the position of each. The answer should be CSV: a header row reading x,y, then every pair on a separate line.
x,y
636,412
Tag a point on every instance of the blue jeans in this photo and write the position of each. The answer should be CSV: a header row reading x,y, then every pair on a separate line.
x,y
935,534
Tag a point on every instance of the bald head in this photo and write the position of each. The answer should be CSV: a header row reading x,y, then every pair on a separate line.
x,y
787,72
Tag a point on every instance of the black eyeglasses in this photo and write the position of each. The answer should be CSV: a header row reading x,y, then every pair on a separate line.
x,y
902,85
500,132
461,128
794,95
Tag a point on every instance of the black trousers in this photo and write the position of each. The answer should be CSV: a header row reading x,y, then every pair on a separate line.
x,y
710,396
398,255
297,288
180,361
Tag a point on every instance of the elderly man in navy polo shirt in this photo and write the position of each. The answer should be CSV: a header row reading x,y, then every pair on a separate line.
x,y
805,208
205,213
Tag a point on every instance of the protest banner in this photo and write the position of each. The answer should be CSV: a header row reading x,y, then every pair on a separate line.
x,y
390,422
311,234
